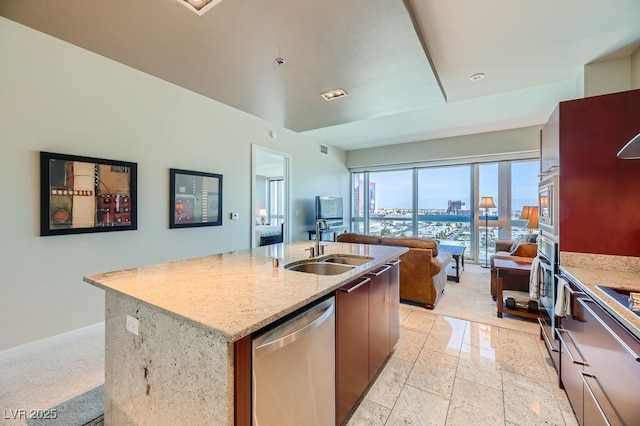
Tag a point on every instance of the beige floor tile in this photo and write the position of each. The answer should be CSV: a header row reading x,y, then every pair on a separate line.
x,y
417,407
389,383
369,414
482,335
410,344
472,403
445,339
434,372
480,365
420,321
405,310
454,323
565,407
530,402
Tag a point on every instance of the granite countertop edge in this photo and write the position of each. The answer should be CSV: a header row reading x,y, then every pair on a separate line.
x,y
234,331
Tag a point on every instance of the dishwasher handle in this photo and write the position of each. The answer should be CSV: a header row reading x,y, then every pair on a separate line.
x,y
274,343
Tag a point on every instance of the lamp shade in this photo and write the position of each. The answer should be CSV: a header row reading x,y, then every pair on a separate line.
x,y
262,212
486,203
526,212
533,219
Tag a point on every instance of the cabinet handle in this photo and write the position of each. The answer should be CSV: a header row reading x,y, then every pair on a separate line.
x,y
393,262
355,287
584,376
564,343
546,339
379,271
608,329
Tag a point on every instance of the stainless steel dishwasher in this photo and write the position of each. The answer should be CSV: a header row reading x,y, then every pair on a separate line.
x,y
294,370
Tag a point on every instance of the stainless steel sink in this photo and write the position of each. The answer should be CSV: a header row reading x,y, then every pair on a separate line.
x,y
320,268
348,259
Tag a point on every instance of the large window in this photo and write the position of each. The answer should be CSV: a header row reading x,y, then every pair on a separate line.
x,y
276,201
444,210
441,203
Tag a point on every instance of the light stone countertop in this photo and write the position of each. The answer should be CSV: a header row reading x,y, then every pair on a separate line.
x,y
589,277
237,293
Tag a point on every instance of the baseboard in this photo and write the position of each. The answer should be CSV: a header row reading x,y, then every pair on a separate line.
x,y
50,342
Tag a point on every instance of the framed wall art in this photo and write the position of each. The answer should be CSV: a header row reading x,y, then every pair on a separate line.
x,y
195,199
84,194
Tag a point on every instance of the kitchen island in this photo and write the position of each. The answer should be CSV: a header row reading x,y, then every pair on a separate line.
x,y
171,328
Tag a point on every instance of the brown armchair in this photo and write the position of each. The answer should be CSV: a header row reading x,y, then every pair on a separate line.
x,y
517,251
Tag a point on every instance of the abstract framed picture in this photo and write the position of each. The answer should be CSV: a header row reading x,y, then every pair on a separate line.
x,y
195,199
85,194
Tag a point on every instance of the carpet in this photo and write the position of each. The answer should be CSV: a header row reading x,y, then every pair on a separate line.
x,y
82,410
470,299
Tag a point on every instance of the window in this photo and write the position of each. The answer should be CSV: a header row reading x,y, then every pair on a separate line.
x,y
441,203
276,201
444,202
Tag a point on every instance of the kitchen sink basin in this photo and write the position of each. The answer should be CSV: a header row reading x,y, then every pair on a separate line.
x,y
348,260
320,268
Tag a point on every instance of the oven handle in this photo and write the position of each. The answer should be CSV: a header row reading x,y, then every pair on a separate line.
x,y
571,291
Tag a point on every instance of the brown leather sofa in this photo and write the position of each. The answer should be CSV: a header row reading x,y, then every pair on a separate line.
x,y
422,268
518,252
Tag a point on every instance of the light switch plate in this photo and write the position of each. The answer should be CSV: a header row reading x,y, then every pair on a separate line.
x,y
132,324
234,216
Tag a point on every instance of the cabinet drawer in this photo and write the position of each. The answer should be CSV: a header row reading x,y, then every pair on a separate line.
x,y
612,370
571,366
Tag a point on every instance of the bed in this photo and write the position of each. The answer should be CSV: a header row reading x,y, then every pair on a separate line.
x,y
266,234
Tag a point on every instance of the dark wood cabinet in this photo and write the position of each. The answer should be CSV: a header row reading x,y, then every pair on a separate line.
x,y
378,319
352,345
599,364
583,137
394,303
367,329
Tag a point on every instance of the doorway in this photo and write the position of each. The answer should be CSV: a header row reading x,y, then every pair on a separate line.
x,y
270,192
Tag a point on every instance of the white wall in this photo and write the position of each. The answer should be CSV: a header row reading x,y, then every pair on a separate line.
x,y
635,69
57,97
607,77
523,140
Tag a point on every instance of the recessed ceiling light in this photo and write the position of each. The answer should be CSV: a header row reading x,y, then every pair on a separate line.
x,y
477,76
334,94
199,6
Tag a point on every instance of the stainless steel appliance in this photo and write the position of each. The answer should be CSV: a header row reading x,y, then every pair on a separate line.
x,y
548,201
294,369
547,276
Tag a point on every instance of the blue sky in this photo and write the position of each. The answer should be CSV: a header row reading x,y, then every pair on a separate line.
x,y
438,185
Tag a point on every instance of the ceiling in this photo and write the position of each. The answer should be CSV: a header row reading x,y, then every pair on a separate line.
x,y
404,64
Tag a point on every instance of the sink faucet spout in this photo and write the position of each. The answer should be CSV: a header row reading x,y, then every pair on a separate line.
x,y
320,224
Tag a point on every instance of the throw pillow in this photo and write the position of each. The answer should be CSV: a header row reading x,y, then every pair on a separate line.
x,y
524,249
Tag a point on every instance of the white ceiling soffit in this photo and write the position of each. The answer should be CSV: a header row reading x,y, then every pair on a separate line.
x,y
531,52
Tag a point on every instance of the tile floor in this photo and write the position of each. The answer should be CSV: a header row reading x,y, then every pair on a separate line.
x,y
447,371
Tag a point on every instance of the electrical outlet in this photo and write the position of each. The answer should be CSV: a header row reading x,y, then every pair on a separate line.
x,y
132,324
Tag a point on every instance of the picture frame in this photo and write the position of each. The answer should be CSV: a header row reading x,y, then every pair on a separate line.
x,y
86,194
195,199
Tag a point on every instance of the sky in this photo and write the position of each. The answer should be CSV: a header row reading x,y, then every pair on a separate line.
x,y
436,186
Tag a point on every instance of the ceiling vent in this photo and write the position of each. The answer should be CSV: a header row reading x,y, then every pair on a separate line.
x,y
324,149
199,7
334,94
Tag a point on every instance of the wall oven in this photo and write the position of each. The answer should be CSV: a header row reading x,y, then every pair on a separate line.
x,y
548,192
547,276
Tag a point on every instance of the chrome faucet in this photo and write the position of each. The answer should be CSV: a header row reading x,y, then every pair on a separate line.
x,y
318,247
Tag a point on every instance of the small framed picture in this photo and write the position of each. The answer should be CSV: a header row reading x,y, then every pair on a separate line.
x,y
85,194
195,199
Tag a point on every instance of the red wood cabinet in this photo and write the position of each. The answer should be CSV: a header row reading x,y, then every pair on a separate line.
x,y
599,199
352,345
599,365
378,319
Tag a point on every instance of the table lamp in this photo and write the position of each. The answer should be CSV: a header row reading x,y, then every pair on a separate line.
x,y
262,213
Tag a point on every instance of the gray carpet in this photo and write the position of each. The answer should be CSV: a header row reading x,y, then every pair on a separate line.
x,y
85,409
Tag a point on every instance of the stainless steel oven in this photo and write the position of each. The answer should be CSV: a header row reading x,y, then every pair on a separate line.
x,y
548,192
547,277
